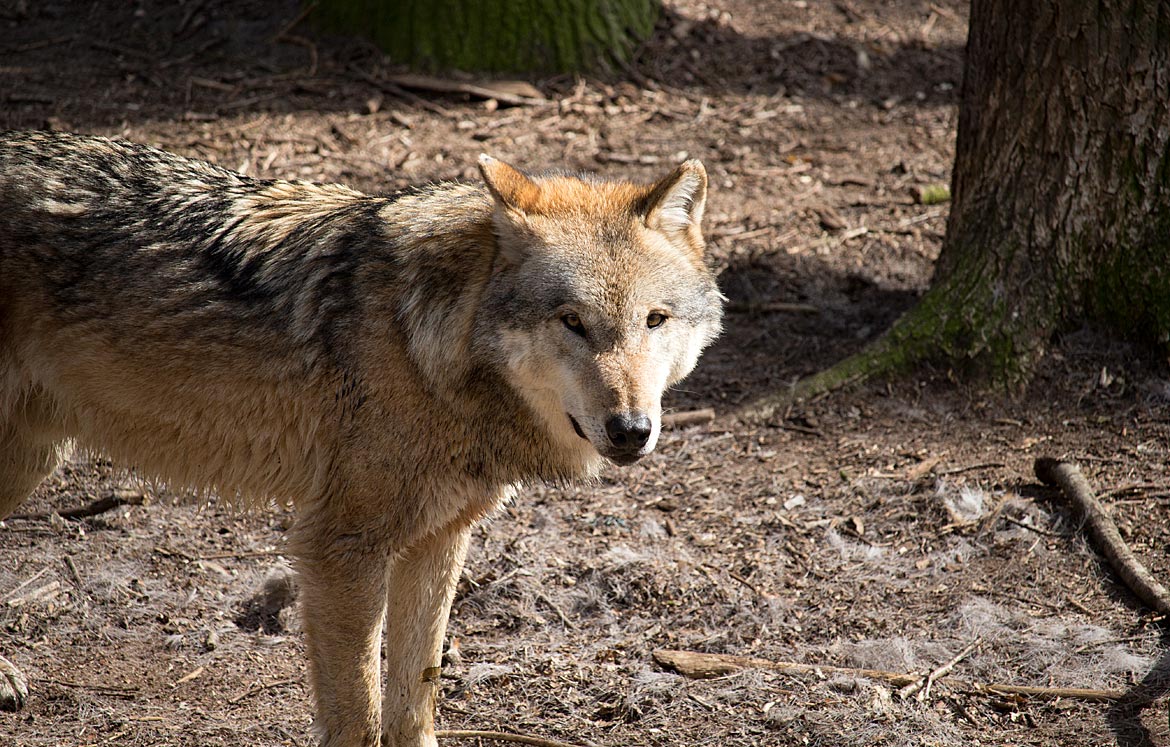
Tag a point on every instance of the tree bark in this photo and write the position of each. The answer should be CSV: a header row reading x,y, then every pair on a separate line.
x,y
1061,204
497,35
1061,193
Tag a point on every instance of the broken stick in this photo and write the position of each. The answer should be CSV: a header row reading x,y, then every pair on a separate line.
x,y
106,503
689,418
702,666
1103,532
499,736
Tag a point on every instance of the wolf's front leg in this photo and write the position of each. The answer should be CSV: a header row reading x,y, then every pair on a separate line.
x,y
421,587
343,593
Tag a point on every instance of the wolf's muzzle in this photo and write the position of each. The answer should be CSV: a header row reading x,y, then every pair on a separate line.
x,y
628,433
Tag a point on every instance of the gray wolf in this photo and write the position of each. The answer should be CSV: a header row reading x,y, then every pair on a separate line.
x,y
392,365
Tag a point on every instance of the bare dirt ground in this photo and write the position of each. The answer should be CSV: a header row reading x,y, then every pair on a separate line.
x,y
887,527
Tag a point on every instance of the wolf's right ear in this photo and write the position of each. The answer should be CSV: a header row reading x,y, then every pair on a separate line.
x,y
675,204
510,187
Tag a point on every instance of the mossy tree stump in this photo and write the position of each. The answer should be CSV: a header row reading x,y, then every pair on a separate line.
x,y
497,35
1061,194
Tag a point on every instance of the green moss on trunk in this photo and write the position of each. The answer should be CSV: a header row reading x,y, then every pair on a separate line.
x,y
1131,289
497,35
961,322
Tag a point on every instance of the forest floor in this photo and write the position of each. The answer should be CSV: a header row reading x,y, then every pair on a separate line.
x,y
887,527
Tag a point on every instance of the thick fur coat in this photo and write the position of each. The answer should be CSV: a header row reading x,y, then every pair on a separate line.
x,y
394,365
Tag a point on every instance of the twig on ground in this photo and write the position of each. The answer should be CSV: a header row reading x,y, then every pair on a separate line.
x,y
26,582
499,736
73,573
970,468
704,666
240,555
1103,531
556,608
1134,488
237,555
921,688
261,688
798,429
709,569
689,418
923,468
41,44
1031,528
988,522
296,21
115,690
750,585
100,506
193,674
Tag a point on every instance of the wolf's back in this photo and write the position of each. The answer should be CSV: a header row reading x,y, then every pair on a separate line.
x,y
105,229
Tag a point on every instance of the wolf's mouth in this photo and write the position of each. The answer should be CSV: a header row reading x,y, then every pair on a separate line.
x,y
577,427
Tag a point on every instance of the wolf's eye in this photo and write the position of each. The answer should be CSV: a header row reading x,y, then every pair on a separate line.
x,y
655,319
573,322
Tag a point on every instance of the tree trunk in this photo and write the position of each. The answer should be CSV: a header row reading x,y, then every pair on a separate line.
x,y
497,35
1061,192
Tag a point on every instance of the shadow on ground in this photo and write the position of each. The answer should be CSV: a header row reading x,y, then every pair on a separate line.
x,y
157,60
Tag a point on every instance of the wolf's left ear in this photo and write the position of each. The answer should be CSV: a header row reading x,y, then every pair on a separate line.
x,y
511,187
676,203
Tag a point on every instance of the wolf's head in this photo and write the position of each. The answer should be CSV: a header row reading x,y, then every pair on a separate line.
x,y
600,299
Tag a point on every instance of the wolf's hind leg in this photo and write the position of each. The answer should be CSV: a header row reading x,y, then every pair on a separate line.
x,y
30,447
421,587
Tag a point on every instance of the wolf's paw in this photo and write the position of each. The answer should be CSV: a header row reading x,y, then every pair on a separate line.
x,y
13,686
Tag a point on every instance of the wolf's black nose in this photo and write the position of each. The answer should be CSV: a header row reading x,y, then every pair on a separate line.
x,y
629,432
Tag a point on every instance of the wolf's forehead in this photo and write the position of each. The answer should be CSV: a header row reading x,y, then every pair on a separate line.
x,y
613,280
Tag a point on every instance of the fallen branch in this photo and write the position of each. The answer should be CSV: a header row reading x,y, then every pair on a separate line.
x,y
100,506
514,92
499,736
1103,531
689,418
703,666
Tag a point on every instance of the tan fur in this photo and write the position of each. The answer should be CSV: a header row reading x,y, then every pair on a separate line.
x,y
393,366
